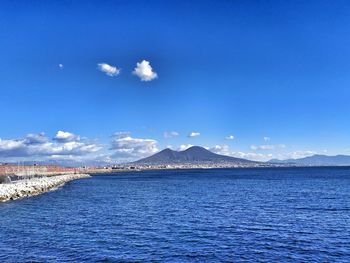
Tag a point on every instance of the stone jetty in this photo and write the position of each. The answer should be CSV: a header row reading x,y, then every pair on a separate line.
x,y
35,186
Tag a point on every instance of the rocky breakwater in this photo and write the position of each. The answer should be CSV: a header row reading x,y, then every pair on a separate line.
x,y
35,186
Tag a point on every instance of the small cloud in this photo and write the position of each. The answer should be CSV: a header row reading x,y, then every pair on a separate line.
x,y
267,139
108,69
170,134
193,134
62,136
230,137
144,71
60,66
267,147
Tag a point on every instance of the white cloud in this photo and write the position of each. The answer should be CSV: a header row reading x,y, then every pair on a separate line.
x,y
170,134
220,149
184,147
252,156
95,159
126,146
194,134
62,136
39,145
230,137
144,71
36,138
254,147
225,150
267,139
267,147
122,134
7,146
108,69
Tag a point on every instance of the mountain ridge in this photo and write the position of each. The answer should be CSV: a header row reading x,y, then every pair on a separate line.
x,y
194,154
317,160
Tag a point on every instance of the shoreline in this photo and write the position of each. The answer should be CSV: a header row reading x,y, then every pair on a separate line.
x,y
115,171
35,186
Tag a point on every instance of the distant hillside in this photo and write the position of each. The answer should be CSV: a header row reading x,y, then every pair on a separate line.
x,y
193,155
317,160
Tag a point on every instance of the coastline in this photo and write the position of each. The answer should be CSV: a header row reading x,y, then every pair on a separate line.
x,y
35,186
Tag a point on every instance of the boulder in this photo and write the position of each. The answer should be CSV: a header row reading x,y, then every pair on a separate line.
x,y
5,179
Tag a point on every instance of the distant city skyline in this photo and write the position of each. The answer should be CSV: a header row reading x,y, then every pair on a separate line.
x,y
116,81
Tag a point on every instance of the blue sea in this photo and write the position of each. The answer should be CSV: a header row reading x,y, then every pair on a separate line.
x,y
218,215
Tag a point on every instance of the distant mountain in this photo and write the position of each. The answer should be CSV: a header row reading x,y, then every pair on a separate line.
x,y
317,160
193,155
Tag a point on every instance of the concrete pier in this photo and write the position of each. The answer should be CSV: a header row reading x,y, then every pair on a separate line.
x,y
29,187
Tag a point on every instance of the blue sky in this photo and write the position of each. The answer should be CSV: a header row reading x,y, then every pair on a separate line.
x,y
250,69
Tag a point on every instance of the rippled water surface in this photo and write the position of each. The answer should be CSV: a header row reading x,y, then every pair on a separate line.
x,y
280,215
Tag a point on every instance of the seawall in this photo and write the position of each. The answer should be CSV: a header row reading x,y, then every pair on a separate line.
x,y
29,187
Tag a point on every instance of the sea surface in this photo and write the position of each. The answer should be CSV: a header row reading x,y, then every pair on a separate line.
x,y
228,215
